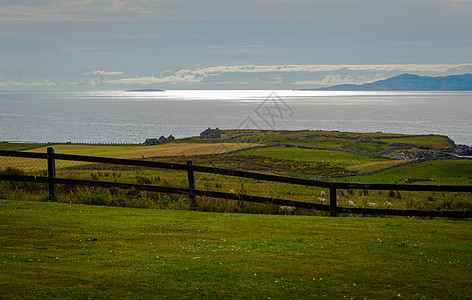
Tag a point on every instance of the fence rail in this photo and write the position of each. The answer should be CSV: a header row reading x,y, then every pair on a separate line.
x,y
192,192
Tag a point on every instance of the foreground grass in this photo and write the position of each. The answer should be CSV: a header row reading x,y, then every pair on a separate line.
x,y
78,251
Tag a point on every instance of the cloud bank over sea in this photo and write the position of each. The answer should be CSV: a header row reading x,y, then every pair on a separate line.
x,y
249,76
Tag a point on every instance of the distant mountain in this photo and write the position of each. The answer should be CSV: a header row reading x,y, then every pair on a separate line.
x,y
409,82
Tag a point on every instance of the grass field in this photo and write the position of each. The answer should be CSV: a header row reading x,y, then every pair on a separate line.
x,y
336,139
343,160
138,151
454,172
116,151
54,250
19,146
289,161
434,141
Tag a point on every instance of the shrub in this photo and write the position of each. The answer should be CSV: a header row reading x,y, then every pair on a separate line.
x,y
143,180
12,171
93,196
164,200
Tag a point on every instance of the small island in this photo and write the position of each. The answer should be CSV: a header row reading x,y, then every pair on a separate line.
x,y
147,90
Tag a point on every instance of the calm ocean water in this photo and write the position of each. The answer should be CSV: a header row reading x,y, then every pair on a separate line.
x,y
131,117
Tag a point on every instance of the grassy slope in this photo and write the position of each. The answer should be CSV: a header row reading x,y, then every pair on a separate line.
x,y
336,139
456,172
346,158
77,251
137,151
19,146
281,160
438,142
118,151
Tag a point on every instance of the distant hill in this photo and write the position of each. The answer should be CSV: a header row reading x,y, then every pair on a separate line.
x,y
409,82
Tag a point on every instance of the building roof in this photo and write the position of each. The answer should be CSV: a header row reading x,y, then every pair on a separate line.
x,y
213,131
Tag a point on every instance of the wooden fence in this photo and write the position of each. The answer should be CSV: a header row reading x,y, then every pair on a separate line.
x,y
192,192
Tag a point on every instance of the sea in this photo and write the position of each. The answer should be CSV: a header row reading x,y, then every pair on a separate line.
x,y
133,116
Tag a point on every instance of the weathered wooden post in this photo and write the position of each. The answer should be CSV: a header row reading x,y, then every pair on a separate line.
x,y
191,185
51,173
333,202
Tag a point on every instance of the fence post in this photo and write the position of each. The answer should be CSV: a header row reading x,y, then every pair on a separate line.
x,y
191,185
51,173
333,202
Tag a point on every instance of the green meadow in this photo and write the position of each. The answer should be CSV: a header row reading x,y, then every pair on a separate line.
x,y
110,243
327,162
61,250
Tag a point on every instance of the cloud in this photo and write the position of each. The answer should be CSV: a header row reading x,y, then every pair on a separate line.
x,y
85,51
78,10
5,82
461,3
341,73
329,80
181,76
255,76
100,72
309,10
331,68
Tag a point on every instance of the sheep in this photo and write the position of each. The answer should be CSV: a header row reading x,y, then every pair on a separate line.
x,y
286,209
323,194
388,204
372,204
322,200
350,203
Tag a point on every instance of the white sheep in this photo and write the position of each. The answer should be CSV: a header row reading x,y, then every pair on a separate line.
x,y
372,204
350,203
388,204
322,200
323,194
287,209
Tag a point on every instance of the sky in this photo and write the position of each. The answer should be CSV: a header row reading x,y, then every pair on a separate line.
x,y
228,44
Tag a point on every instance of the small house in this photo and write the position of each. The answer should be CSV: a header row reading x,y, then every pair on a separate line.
x,y
213,134
160,140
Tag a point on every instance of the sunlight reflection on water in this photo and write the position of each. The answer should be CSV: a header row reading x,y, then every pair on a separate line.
x,y
131,117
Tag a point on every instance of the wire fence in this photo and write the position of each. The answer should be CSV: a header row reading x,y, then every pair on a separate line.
x,y
69,171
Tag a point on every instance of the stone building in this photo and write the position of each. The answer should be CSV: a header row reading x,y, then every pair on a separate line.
x,y
213,134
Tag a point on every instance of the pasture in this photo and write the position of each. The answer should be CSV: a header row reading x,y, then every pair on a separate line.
x,y
324,164
115,151
58,250
139,151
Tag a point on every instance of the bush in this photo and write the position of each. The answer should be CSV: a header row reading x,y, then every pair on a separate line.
x,y
95,176
12,171
93,196
143,180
